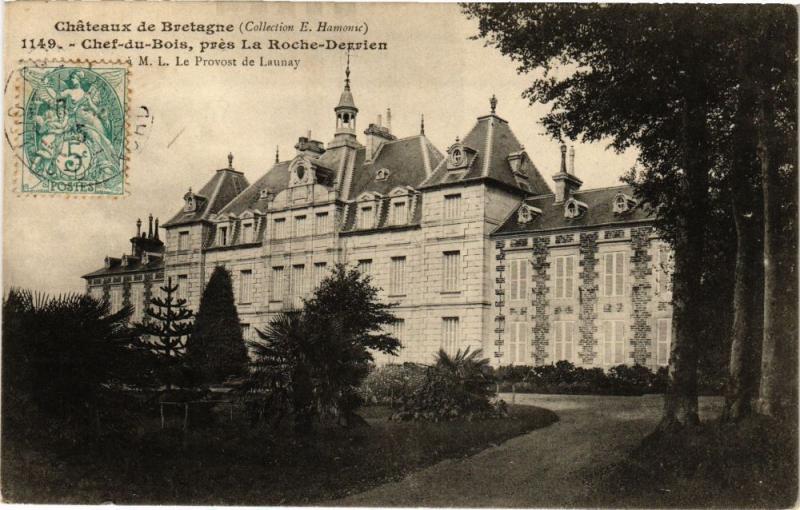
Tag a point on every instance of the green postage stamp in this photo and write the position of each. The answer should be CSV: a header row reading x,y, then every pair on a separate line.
x,y
74,130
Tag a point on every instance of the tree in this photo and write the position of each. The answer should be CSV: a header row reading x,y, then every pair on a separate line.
x,y
65,358
165,331
216,350
316,358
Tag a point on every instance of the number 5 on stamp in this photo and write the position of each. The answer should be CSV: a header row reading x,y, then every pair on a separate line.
x,y
74,130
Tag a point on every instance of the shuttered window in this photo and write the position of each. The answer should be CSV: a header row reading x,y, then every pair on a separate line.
x,y
116,299
183,287
565,276
137,301
277,283
663,340
518,279
564,341
451,261
613,342
399,213
663,270
614,274
320,270
183,241
518,343
399,329
246,286
450,335
299,226
452,206
279,228
365,267
247,233
298,284
223,236
322,225
366,217
397,276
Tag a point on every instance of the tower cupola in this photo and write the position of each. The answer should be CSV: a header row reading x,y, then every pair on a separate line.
x,y
346,110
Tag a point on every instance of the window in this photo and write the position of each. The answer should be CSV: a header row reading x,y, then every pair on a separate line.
x,y
565,276
322,223
450,340
572,210
247,233
614,274
277,283
137,301
320,270
382,174
397,276
399,213
247,332
518,345
365,267
613,342
663,338
116,299
366,217
518,279
223,236
564,341
456,156
450,266
246,286
97,293
299,226
452,206
663,270
279,228
183,286
183,241
298,284
399,329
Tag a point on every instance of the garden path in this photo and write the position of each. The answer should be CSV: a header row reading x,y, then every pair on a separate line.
x,y
543,468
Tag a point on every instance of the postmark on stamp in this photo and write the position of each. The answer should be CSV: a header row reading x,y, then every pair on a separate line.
x,y
73,130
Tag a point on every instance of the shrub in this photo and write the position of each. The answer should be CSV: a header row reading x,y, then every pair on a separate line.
x,y
457,387
386,385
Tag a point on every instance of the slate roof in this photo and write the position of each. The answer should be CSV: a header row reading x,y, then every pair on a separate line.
x,y
135,265
599,212
493,141
276,179
223,187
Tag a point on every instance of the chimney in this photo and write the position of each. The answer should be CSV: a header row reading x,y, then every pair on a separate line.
x,y
150,228
305,145
156,230
572,159
389,120
566,183
376,135
138,227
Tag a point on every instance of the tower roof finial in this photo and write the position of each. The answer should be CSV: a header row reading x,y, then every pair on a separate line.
x,y
277,154
493,103
422,124
347,72
230,160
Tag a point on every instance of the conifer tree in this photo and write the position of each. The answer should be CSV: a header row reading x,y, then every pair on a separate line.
x,y
167,325
216,350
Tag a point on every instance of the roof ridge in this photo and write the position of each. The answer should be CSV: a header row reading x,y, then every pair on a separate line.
x,y
487,158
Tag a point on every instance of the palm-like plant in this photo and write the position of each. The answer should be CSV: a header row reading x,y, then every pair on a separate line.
x,y
468,368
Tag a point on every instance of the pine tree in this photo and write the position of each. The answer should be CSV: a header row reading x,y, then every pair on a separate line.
x,y
216,350
167,326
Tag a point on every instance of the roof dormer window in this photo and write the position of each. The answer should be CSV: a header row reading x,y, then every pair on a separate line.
x,y
623,203
382,174
527,213
190,203
574,209
457,156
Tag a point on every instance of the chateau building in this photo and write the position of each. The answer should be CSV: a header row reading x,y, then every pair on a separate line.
x,y
472,243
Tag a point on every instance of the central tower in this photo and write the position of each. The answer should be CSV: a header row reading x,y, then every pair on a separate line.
x,y
346,110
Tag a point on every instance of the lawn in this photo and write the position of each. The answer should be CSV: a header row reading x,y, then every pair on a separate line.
x,y
232,464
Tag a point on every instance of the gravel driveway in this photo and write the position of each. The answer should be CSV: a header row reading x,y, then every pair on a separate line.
x,y
541,468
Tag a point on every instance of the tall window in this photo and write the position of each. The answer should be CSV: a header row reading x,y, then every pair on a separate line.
x,y
183,286
399,213
565,276
322,225
518,343
320,269
450,265
663,337
518,279
564,341
183,241
397,276
277,283
279,228
298,284
663,270
452,206
137,301
116,299
246,286
450,339
97,293
223,236
366,217
247,233
299,226
613,342
399,329
614,274
365,267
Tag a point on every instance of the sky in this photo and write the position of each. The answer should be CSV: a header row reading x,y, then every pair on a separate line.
x,y
200,114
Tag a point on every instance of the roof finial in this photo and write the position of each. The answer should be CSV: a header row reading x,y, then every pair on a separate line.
x,y
422,124
493,103
277,154
138,227
347,72
230,160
